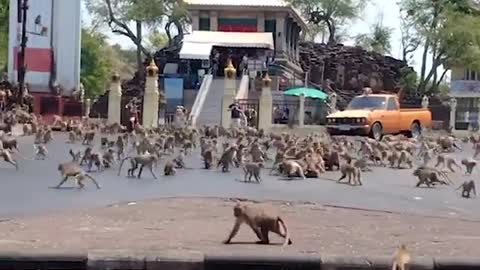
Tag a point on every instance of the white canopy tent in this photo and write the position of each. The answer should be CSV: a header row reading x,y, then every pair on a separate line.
x,y
198,45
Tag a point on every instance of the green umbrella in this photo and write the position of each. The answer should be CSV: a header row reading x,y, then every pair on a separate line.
x,y
307,92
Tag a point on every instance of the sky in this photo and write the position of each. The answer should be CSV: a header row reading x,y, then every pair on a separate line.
x,y
387,8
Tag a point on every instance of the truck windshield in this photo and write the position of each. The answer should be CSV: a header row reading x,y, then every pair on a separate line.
x,y
366,103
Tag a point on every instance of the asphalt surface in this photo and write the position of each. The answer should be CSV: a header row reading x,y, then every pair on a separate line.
x,y
29,191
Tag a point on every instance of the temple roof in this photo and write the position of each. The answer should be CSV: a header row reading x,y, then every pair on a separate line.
x,y
256,3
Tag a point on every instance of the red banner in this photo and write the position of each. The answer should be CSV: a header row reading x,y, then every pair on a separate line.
x,y
237,28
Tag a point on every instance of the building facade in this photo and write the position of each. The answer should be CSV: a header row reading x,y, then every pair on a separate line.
x,y
268,16
53,46
465,88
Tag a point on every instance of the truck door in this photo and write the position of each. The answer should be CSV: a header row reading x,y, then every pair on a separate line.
x,y
391,116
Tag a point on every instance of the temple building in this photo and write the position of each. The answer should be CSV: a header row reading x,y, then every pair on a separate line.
x,y
465,88
265,34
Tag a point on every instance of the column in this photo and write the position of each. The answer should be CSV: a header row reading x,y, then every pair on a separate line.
x,y
453,112
114,100
265,105
279,36
151,97
295,44
213,21
162,104
195,20
301,111
88,105
229,93
261,22
288,37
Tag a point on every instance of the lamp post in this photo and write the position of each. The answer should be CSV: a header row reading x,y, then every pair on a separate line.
x,y
21,54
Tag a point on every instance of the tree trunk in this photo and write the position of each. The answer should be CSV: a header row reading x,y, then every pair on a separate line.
x,y
140,66
331,31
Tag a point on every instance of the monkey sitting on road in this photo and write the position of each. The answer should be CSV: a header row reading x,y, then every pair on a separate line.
x,y
252,169
292,168
467,187
71,169
169,169
405,157
108,158
260,222
179,161
352,172
469,164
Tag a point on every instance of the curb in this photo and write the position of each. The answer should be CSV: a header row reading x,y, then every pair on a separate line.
x,y
184,260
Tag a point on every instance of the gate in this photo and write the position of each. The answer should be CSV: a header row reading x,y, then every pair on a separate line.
x,y
250,108
126,111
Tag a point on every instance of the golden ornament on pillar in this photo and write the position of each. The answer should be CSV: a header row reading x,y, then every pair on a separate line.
x,y
230,70
115,77
152,69
266,80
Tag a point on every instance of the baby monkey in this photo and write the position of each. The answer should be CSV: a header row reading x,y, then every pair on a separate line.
x,y
260,222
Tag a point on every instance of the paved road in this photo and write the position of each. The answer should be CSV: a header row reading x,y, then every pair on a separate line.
x,y
27,191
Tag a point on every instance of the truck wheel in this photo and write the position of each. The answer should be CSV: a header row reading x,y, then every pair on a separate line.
x,y
377,131
415,130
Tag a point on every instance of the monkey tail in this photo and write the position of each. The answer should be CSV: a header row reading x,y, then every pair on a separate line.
x,y
287,235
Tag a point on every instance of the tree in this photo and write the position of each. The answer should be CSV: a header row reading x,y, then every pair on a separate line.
x,y
95,65
449,35
156,40
409,38
4,22
120,14
333,14
378,40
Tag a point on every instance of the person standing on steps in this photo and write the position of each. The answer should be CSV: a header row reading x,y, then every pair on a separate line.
x,y
235,114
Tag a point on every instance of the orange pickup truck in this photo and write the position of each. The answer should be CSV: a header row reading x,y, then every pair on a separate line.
x,y
376,115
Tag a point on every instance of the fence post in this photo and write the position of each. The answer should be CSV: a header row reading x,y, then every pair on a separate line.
x,y
115,100
229,93
151,97
265,105
301,111
453,112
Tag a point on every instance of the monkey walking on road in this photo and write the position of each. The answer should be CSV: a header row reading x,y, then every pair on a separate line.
x,y
147,160
467,187
260,222
72,169
401,258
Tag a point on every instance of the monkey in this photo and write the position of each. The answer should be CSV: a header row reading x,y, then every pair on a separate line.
x,y
86,155
187,146
208,158
47,136
260,222
71,169
351,171
120,144
143,160
97,159
7,157
88,137
405,157
447,160
476,147
103,142
467,187
429,176
469,164
393,157
227,158
76,157
72,137
179,160
108,159
332,159
27,130
169,169
401,258
41,151
252,169
292,168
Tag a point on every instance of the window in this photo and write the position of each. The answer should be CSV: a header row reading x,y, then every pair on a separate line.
x,y
204,24
392,104
471,75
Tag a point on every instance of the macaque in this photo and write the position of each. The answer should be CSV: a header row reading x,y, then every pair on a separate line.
x,y
405,157
252,169
72,137
103,142
88,137
448,161
260,222
47,136
71,169
228,158
401,258
179,161
352,172
169,169
40,151
429,176
27,130
469,164
120,144
292,169
75,156
7,157
467,187
108,158
147,160
208,158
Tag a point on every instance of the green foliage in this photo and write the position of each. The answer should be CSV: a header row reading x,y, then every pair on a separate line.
x,y
332,14
409,79
379,40
448,30
156,40
95,65
4,19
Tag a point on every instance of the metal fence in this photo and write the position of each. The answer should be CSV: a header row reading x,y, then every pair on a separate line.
x,y
285,111
251,108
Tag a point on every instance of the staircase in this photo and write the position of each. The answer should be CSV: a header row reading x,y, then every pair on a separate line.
x,y
243,88
200,98
210,111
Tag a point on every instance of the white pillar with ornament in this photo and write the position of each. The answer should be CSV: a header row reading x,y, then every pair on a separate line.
x,y
114,100
151,97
